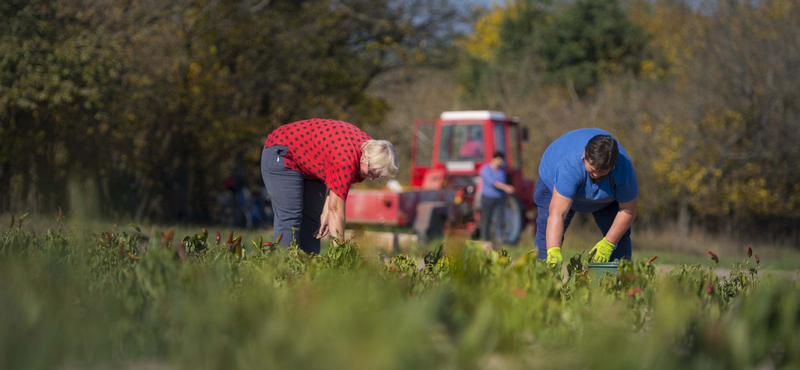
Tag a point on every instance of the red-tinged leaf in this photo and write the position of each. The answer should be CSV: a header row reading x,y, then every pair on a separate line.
x,y
232,245
652,259
519,292
278,240
166,238
633,292
267,244
757,260
121,248
133,257
749,252
218,237
713,256
108,237
230,238
12,221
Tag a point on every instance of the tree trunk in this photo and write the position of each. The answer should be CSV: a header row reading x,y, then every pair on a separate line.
x,y
5,187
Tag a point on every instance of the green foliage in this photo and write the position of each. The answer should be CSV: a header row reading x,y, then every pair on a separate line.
x,y
578,44
152,105
689,92
590,40
518,31
501,59
723,152
74,300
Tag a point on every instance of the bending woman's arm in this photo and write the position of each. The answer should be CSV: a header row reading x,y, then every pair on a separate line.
x,y
336,218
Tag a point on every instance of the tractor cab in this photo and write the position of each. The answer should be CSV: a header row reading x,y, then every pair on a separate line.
x,y
454,147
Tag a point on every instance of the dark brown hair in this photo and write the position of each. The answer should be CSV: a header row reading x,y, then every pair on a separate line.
x,y
602,152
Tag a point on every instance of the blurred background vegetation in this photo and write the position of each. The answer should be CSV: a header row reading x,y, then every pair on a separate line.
x,y
141,108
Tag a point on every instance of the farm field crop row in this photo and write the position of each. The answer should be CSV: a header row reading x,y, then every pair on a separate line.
x,y
118,298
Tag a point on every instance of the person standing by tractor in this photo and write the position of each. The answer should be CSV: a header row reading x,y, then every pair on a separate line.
x,y
493,191
586,171
308,168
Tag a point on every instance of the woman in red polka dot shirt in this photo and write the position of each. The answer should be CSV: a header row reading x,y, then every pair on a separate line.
x,y
308,168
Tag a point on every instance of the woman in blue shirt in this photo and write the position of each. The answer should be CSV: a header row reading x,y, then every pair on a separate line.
x,y
587,171
493,191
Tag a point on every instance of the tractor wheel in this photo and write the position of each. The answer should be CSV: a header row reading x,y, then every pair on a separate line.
x,y
507,220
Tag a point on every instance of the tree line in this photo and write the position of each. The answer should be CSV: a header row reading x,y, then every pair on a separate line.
x,y
704,95
151,104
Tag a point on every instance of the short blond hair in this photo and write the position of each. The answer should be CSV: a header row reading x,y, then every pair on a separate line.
x,y
381,156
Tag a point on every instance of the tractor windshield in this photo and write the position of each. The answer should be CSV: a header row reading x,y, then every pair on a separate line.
x,y
462,142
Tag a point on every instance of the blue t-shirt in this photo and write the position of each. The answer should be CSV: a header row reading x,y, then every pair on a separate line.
x,y
489,176
562,167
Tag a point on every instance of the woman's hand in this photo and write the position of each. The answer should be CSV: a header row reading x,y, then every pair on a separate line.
x,y
332,220
323,228
336,217
504,187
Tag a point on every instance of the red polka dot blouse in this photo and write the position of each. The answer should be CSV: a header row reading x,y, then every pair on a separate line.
x,y
323,149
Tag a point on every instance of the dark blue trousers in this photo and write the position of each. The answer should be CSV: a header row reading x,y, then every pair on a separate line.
x,y
297,202
603,217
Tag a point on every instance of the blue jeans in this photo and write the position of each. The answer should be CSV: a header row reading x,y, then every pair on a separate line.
x,y
604,218
296,201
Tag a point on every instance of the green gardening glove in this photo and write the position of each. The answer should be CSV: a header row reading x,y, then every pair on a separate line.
x,y
602,251
554,257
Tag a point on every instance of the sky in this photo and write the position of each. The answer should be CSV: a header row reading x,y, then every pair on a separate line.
x,y
486,3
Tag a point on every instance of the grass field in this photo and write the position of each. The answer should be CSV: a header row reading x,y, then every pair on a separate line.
x,y
94,296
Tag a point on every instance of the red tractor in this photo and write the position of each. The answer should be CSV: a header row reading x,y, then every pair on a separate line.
x,y
446,158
